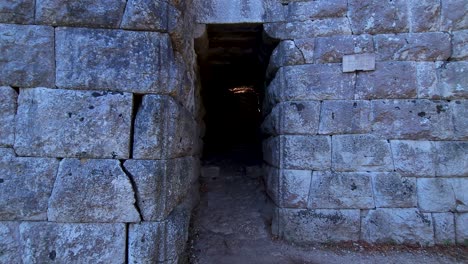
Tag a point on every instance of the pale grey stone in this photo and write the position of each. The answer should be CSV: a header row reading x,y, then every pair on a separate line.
x,y
460,119
460,185
105,59
359,62
460,45
27,58
308,29
444,228
361,153
163,129
376,16
298,152
400,225
414,158
300,117
332,49
68,123
302,11
435,195
8,97
454,15
10,247
286,53
345,117
309,226
156,15
392,190
389,80
45,242
453,80
26,185
341,190
307,47
161,184
424,15
452,158
461,223
426,75
17,11
85,13
92,191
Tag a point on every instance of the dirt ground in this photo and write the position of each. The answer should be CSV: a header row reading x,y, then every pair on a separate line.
x,y
232,226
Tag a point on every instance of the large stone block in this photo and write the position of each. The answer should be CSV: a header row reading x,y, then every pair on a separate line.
x,y
163,129
435,195
308,29
454,15
26,185
92,191
392,190
65,123
461,223
431,46
424,15
309,226
332,49
460,45
452,157
361,153
401,225
286,53
148,15
161,184
414,158
460,185
9,242
17,11
444,228
460,119
345,190
44,242
302,11
389,80
300,117
106,59
345,117
377,16
27,58
453,81
8,97
85,13
298,152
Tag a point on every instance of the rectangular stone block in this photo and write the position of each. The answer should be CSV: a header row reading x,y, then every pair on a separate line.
x,y
85,13
424,15
389,80
92,191
435,195
426,75
461,223
26,185
17,11
454,15
300,117
453,80
27,58
45,242
163,129
66,123
9,242
345,117
298,152
332,49
430,46
359,62
414,158
8,105
399,225
460,185
302,11
452,158
444,228
150,15
376,16
361,153
345,190
460,45
460,119
286,53
312,226
130,61
392,190
308,28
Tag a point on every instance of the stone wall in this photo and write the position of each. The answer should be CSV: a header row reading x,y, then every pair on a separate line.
x,y
99,134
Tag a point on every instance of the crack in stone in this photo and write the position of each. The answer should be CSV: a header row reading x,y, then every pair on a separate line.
x,y
134,187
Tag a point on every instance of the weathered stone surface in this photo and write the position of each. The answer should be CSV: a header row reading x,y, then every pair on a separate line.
x,y
65,123
427,80
288,188
359,62
412,119
435,195
27,57
307,47
460,119
345,117
44,242
298,152
85,13
376,16
451,158
92,191
454,15
10,247
414,158
424,15
392,190
301,11
332,49
105,59
431,46
460,45
26,185
308,29
286,53
389,80
444,228
460,185
156,15
401,225
17,11
361,153
453,80
8,97
341,190
163,129
309,226
161,184
301,117
461,223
